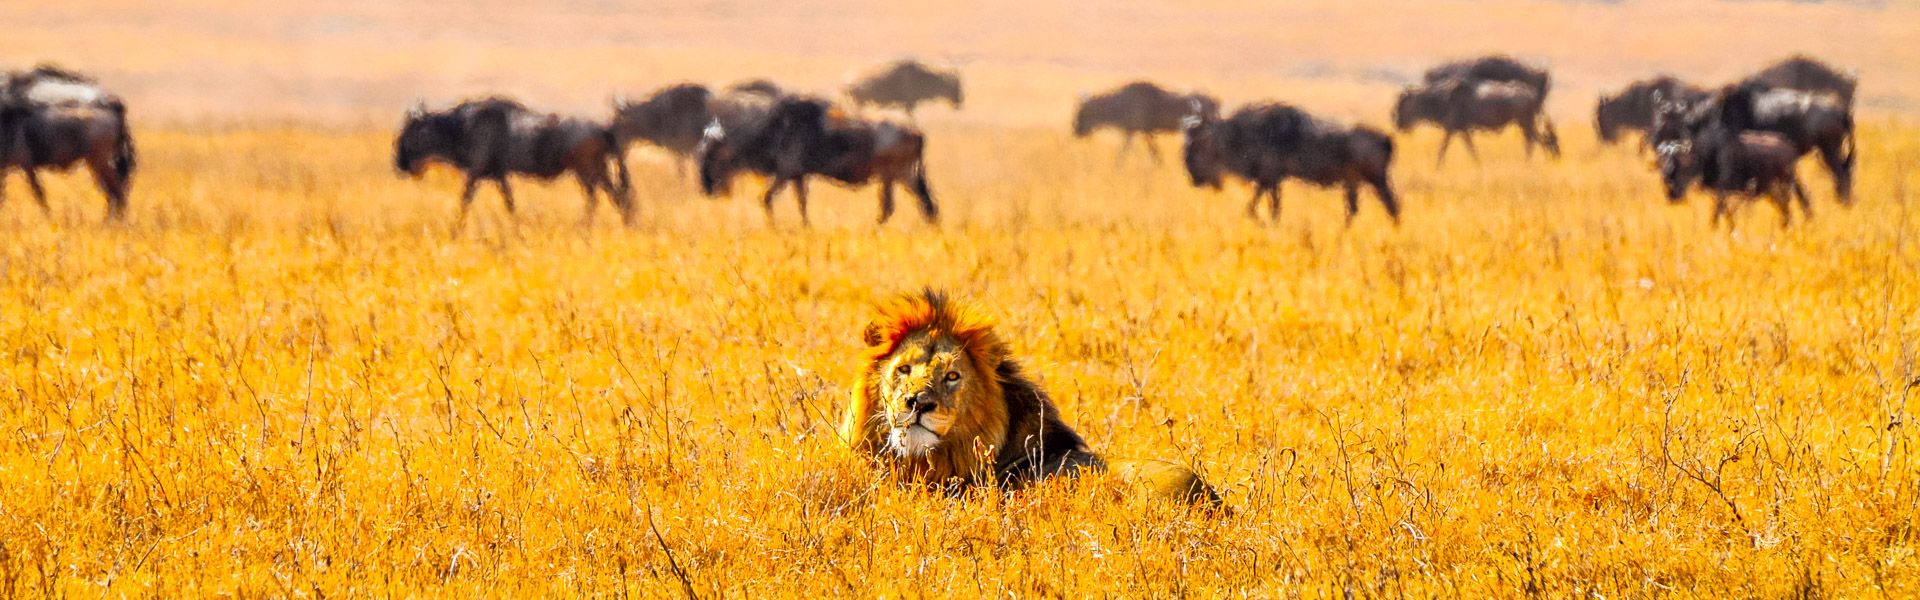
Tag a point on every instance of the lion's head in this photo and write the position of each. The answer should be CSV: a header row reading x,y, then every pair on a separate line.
x,y
929,397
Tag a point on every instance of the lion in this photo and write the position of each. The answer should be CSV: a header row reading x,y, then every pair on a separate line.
x,y
942,401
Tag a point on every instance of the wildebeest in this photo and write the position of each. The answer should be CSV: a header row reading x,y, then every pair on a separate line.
x,y
905,84
491,138
1809,120
1496,67
1141,108
1268,143
759,86
800,136
673,118
1633,108
1804,73
53,118
1460,108
1726,161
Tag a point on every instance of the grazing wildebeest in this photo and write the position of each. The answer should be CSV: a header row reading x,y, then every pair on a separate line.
x,y
52,118
674,119
1140,108
1726,161
1809,120
802,136
1460,108
905,84
759,86
1495,67
1268,143
491,138
1632,109
1803,73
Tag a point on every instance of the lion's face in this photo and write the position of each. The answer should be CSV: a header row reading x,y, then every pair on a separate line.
x,y
927,387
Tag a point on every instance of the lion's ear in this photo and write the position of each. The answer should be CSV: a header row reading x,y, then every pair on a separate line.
x,y
874,335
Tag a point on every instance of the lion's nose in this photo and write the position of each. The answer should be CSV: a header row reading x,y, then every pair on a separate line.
x,y
919,403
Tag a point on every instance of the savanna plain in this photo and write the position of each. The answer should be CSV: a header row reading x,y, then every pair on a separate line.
x,y
289,375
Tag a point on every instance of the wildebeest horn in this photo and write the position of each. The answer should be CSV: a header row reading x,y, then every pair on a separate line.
x,y
620,101
419,108
714,131
1190,121
1197,107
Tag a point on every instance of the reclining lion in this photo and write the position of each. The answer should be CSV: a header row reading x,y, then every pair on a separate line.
x,y
942,401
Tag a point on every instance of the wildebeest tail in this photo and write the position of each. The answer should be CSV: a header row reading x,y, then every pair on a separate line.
x,y
1846,121
918,185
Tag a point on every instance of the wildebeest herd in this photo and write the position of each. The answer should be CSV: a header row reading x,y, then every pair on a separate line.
x,y
1740,140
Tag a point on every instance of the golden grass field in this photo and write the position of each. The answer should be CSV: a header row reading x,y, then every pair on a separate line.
x,y
288,376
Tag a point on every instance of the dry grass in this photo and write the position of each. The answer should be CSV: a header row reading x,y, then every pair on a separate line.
x,y
285,377
290,381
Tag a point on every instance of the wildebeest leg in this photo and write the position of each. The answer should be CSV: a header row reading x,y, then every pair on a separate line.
x,y
1353,202
1253,205
1720,210
1273,203
111,185
1800,191
39,193
918,185
886,199
1528,137
1466,137
1126,141
1153,147
1445,141
1777,194
779,183
1384,190
506,193
800,195
589,186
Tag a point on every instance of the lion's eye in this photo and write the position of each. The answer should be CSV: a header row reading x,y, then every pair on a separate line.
x,y
905,369
953,376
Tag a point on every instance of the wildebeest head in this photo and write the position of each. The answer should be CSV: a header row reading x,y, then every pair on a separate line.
x,y
1609,114
950,89
1673,139
423,136
1201,149
1679,167
1084,117
716,157
1415,104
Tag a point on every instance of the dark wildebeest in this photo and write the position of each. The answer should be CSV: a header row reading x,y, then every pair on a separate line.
x,y
1809,120
52,118
764,87
905,84
1496,67
674,119
802,136
1806,74
1460,108
1725,161
1633,108
1141,108
1268,143
491,138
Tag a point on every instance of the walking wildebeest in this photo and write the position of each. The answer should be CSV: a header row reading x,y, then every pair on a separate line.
x,y
1803,73
1497,67
52,118
1633,108
1726,161
1809,120
764,87
491,138
1268,143
1460,108
674,118
905,84
802,136
1141,108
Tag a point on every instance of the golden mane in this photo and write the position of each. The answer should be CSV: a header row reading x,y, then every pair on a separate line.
x,y
926,313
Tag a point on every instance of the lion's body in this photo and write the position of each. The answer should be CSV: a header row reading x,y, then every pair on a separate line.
x,y
941,400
